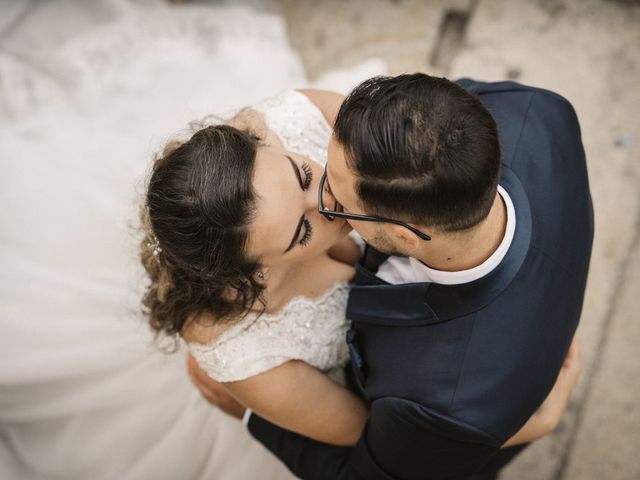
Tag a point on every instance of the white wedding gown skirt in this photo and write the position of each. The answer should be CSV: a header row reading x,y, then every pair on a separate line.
x,y
84,393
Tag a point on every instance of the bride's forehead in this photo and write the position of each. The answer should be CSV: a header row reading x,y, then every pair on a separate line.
x,y
270,166
272,157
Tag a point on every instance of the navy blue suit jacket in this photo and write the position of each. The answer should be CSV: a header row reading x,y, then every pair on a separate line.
x,y
453,371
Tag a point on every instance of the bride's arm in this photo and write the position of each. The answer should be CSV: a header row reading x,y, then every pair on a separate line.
x,y
294,395
300,398
327,102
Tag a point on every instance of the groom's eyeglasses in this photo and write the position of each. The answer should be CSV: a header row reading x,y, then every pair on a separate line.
x,y
332,214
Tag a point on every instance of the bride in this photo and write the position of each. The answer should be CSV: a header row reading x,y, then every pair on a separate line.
x,y
245,269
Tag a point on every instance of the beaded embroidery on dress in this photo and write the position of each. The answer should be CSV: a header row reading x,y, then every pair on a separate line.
x,y
311,330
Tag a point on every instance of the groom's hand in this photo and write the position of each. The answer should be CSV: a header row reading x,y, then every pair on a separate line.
x,y
214,392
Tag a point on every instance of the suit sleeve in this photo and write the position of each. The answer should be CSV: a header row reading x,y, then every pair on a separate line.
x,y
402,440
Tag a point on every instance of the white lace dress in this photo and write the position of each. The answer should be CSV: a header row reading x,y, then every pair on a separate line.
x,y
311,330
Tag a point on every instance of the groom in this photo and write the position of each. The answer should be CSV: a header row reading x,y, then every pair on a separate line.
x,y
474,202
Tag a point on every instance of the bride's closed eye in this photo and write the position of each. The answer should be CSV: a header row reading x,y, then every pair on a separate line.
x,y
308,231
305,183
306,176
308,228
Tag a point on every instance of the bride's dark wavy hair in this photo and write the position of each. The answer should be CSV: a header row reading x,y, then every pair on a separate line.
x,y
199,204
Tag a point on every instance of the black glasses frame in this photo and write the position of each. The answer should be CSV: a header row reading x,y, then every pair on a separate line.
x,y
332,214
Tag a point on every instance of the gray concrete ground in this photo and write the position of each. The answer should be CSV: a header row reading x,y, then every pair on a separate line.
x,y
587,50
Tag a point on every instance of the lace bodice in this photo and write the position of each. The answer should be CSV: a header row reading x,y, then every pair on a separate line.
x,y
311,330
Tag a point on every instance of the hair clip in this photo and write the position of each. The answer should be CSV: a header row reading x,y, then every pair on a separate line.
x,y
155,245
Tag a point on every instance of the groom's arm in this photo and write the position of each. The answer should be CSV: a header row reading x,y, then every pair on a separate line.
x,y
402,440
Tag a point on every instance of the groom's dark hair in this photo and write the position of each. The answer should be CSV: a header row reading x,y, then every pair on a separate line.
x,y
424,150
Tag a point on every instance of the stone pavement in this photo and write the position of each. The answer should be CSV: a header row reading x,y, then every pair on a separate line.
x,y
588,51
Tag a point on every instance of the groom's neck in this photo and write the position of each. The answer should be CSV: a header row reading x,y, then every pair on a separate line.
x,y
464,250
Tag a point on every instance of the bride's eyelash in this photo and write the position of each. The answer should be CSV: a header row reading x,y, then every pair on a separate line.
x,y
308,175
308,231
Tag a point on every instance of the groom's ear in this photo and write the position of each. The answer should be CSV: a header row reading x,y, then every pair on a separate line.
x,y
405,240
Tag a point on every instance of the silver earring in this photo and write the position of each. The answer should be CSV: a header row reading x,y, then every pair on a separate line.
x,y
261,276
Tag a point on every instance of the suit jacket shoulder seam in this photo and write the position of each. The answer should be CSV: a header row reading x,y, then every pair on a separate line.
x,y
524,123
464,359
